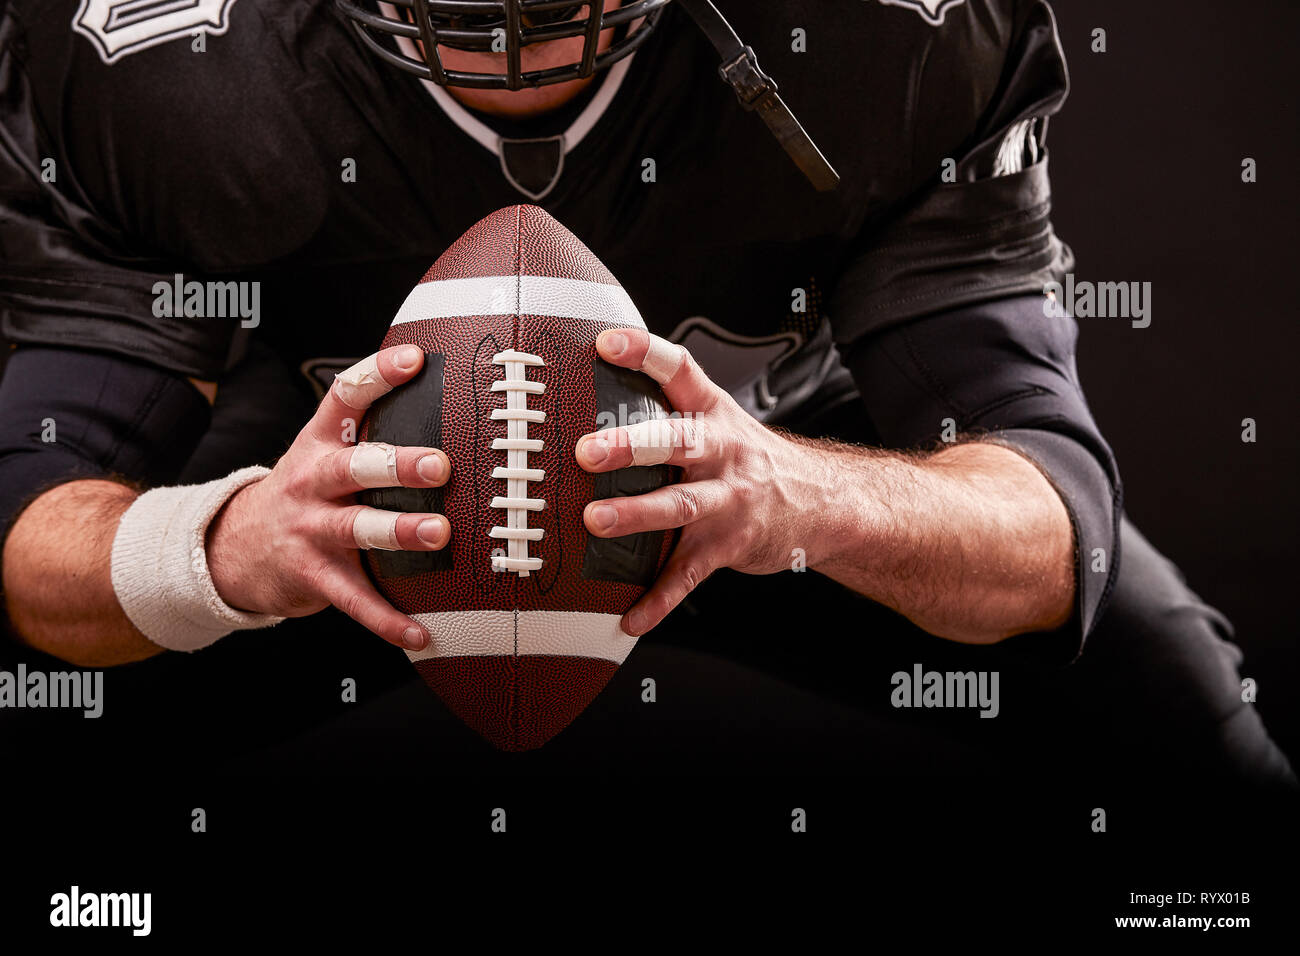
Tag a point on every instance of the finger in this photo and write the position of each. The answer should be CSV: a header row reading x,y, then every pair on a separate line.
x,y
379,465
355,389
686,570
674,506
373,529
659,441
672,366
349,591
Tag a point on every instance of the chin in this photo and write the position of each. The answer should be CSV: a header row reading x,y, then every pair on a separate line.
x,y
515,103
525,102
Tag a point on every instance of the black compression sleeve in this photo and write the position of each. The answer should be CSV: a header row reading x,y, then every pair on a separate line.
x,y
108,416
1004,370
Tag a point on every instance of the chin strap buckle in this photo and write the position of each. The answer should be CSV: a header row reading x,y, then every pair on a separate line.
x,y
757,93
746,77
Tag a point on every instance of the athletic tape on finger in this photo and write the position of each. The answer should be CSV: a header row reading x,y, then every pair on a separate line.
x,y
653,441
376,530
662,359
360,385
374,465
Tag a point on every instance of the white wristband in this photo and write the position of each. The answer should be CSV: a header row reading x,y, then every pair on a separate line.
x,y
160,565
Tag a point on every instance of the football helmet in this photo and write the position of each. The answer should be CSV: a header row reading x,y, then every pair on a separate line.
x,y
507,26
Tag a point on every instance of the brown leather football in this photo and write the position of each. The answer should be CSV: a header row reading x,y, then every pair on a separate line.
x,y
523,605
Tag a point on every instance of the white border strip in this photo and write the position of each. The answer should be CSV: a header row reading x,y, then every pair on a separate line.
x,y
538,633
519,295
594,110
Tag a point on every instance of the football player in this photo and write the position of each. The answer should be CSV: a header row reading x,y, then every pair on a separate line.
x,y
843,279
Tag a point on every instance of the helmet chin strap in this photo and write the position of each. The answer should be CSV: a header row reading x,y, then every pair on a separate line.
x,y
757,91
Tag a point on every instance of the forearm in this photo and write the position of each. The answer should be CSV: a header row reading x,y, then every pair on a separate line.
x,y
970,543
58,585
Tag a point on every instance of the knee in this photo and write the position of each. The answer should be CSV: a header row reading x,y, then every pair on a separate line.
x,y
1167,661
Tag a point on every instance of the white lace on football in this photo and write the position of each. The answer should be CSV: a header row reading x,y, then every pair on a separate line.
x,y
517,474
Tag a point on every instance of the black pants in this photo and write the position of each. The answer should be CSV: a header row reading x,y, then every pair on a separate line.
x,y
785,674
1156,693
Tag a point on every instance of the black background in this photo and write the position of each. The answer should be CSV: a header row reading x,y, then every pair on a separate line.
x,y
1146,170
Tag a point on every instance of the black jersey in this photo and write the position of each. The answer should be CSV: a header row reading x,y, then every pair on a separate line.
x,y
283,152
258,141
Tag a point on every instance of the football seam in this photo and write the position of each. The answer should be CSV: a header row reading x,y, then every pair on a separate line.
x,y
515,719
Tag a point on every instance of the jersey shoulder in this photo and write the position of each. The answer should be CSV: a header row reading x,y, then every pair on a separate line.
x,y
896,86
216,114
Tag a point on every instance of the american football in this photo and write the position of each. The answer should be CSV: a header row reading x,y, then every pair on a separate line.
x,y
523,606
